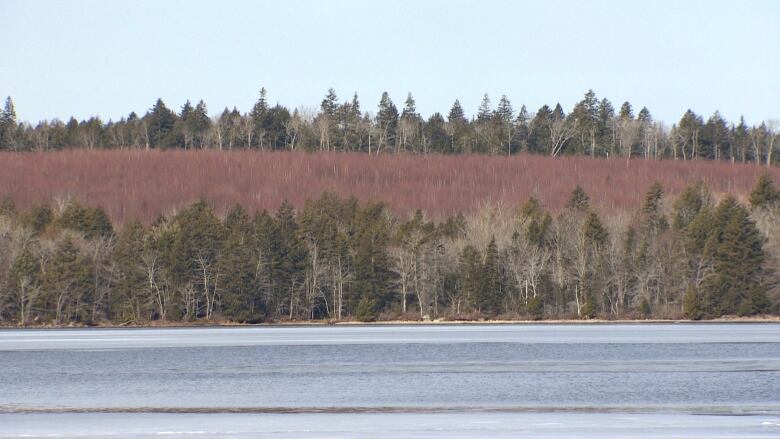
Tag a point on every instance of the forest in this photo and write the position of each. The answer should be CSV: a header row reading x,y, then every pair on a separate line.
x,y
593,127
336,258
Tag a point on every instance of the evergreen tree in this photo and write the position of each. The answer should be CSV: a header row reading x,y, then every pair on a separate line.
x,y
456,114
194,251
129,302
372,274
692,307
8,125
537,221
387,121
764,195
626,111
645,116
410,108
37,218
330,104
733,251
604,127
435,134
595,233
579,200
504,112
691,201
491,293
160,122
653,220
539,135
485,112
287,260
471,273
241,300
67,283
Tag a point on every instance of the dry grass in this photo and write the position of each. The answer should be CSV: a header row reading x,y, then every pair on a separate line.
x,y
142,185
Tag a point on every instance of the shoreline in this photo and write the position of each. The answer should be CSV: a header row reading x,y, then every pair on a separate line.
x,y
436,322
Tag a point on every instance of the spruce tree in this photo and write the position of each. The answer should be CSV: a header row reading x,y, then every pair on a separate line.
x,y
764,195
471,277
653,220
579,200
489,299
456,114
240,293
485,111
67,283
8,125
693,199
131,293
371,262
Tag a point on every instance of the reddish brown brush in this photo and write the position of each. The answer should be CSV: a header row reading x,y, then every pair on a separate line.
x,y
144,184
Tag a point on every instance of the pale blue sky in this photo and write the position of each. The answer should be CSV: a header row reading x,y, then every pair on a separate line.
x,y
62,58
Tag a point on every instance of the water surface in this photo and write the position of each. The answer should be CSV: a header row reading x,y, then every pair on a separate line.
x,y
546,379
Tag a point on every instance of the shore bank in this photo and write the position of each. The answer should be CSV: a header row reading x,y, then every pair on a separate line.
x,y
161,324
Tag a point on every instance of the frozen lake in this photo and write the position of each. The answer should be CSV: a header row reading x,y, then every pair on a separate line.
x,y
544,380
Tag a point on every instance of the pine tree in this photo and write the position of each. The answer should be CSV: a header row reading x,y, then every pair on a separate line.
x,y
537,220
595,233
485,111
653,220
261,106
67,283
160,122
287,260
692,307
764,195
330,104
194,251
691,201
456,114
604,127
471,274
8,125
504,111
37,218
733,253
579,200
490,295
130,304
410,108
387,121
626,111
371,262
240,293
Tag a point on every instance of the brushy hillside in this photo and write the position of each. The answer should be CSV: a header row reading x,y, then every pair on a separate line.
x,y
144,184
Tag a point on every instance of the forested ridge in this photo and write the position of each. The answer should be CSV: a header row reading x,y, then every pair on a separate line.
x,y
593,127
340,259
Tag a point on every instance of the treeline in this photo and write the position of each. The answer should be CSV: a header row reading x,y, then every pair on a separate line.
x,y
340,259
594,127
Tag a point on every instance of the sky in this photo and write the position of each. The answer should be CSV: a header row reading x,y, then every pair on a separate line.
x,y
109,58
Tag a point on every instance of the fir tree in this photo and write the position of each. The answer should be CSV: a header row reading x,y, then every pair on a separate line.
x,y
653,220
330,104
764,195
490,295
456,114
693,199
485,111
579,200
240,298
67,283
